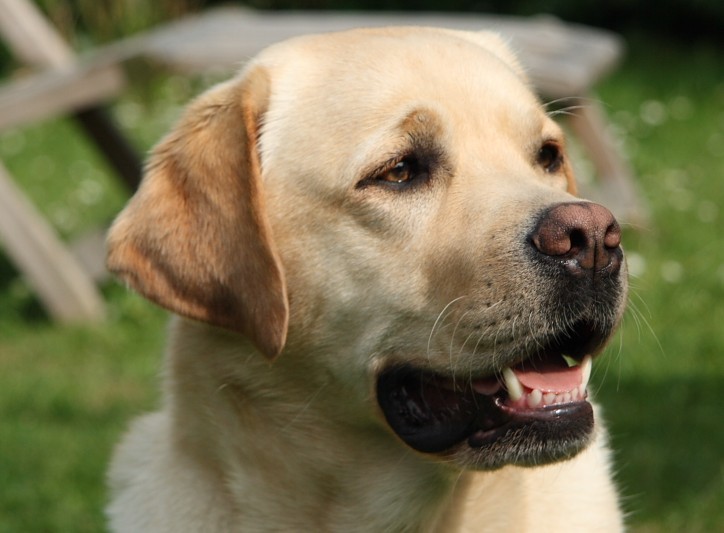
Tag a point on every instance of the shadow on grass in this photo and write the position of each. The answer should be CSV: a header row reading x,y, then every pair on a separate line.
x,y
669,443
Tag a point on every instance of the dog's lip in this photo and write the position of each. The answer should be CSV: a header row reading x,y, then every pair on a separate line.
x,y
433,413
556,419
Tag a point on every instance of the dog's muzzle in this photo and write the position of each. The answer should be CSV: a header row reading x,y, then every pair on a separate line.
x,y
536,410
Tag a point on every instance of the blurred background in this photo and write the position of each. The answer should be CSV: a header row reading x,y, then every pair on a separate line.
x,y
67,391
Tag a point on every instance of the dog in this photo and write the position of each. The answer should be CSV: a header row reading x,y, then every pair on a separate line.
x,y
387,299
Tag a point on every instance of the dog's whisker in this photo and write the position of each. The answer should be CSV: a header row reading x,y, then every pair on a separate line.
x,y
439,320
512,326
597,369
537,342
568,111
578,104
634,314
559,100
471,373
619,359
462,347
495,346
635,294
452,343
475,348
634,226
580,100
635,311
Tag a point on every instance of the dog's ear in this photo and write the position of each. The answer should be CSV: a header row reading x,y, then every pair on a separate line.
x,y
195,238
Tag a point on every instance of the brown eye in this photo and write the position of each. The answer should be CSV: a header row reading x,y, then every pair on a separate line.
x,y
550,157
400,173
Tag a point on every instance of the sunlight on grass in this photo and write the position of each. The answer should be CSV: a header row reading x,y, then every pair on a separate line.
x,y
663,391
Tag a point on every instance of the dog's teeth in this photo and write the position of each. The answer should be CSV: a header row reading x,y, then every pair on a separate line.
x,y
586,366
549,397
535,398
513,386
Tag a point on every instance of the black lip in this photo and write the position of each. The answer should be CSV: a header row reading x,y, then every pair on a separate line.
x,y
566,422
426,415
432,417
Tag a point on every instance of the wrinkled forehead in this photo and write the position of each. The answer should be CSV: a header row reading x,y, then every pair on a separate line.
x,y
334,91
373,68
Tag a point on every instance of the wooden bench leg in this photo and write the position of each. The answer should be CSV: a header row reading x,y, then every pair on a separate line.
x,y
615,185
102,130
63,287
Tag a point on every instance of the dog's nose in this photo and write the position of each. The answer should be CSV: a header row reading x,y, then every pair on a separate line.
x,y
582,236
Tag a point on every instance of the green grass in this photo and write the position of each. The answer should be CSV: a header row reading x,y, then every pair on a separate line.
x,y
66,396
664,388
66,393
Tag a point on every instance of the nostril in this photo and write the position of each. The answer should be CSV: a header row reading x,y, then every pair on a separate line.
x,y
579,239
612,239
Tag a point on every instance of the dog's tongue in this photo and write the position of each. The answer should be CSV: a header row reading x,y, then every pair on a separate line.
x,y
550,376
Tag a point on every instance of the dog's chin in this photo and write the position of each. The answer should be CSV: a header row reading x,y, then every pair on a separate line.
x,y
534,413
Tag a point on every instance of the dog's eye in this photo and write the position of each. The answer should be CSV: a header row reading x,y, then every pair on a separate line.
x,y
550,157
399,174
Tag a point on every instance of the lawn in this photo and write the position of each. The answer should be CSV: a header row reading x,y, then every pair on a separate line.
x,y
66,393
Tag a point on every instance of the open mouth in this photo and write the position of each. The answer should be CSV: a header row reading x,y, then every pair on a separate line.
x,y
537,410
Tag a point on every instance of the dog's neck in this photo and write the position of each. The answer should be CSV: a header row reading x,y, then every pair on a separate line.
x,y
281,436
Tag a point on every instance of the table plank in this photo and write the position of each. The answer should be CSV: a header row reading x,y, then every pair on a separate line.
x,y
562,59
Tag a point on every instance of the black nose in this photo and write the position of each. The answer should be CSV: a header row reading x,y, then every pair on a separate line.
x,y
582,236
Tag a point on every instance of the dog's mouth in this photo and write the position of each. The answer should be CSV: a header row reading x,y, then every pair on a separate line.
x,y
533,412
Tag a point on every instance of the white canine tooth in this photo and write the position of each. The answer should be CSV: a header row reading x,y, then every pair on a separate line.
x,y
582,392
549,398
586,366
574,394
513,386
534,398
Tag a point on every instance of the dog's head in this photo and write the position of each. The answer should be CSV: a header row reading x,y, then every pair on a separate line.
x,y
397,204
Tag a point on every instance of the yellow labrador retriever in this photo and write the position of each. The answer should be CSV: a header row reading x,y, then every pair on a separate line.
x,y
389,300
